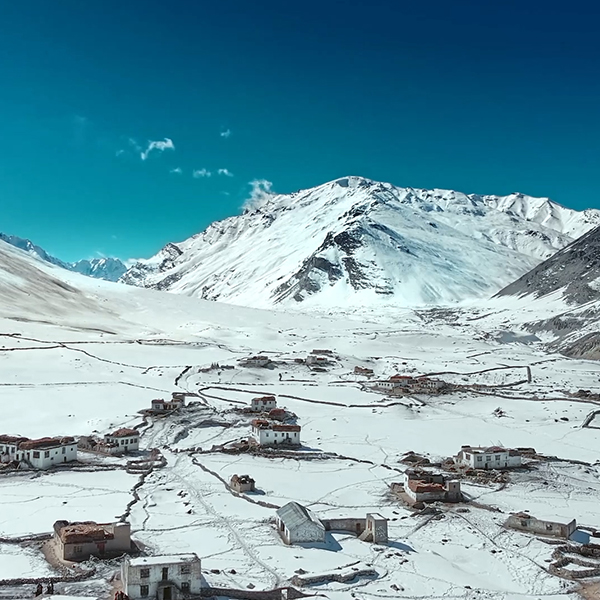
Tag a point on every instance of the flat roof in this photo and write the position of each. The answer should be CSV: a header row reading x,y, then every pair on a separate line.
x,y
165,559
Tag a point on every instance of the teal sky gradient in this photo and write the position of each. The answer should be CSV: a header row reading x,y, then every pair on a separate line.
x,y
476,96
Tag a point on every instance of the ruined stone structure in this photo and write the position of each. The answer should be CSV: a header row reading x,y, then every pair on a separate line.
x,y
525,522
79,541
242,483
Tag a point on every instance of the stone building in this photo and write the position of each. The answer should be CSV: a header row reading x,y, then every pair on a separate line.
x,y
525,522
169,577
128,440
422,486
242,483
159,405
296,524
492,457
79,541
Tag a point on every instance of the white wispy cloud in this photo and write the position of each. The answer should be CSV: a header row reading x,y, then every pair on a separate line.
x,y
176,170
261,191
166,144
225,172
225,134
198,173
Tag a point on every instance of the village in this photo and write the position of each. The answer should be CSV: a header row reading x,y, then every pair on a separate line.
x,y
428,489
423,488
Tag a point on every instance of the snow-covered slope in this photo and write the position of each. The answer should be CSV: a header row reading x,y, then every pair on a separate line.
x,y
109,269
358,242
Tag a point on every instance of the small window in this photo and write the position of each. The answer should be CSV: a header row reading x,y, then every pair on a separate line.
x,y
36,455
548,526
78,549
144,591
165,573
185,586
144,573
47,454
479,459
185,569
64,450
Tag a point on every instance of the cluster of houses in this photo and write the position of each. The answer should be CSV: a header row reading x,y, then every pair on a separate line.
x,y
406,384
269,430
316,359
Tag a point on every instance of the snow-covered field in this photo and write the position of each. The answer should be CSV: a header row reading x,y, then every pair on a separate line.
x,y
91,367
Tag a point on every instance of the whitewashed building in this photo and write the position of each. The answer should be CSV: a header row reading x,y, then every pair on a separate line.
x,y
45,453
296,524
169,577
126,439
159,405
9,448
265,433
492,457
263,404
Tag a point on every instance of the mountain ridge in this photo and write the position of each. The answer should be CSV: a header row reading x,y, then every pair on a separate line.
x,y
354,240
109,269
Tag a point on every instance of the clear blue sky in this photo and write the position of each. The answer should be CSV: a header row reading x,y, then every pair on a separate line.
x,y
475,95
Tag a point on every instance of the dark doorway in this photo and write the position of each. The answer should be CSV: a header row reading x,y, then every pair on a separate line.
x,y
167,594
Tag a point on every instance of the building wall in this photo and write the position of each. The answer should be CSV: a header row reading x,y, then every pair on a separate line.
x,y
356,526
133,580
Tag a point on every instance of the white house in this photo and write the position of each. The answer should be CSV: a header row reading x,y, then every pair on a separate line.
x,y
9,448
263,404
297,524
127,439
169,577
48,452
265,433
492,457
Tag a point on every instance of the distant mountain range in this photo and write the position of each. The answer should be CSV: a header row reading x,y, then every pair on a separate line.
x,y
357,242
109,269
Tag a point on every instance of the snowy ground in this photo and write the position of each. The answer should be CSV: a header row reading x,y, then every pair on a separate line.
x,y
91,369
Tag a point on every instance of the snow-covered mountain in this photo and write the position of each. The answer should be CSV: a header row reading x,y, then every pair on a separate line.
x,y
110,269
354,242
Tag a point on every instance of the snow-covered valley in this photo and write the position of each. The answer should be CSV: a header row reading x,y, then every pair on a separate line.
x,y
81,357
